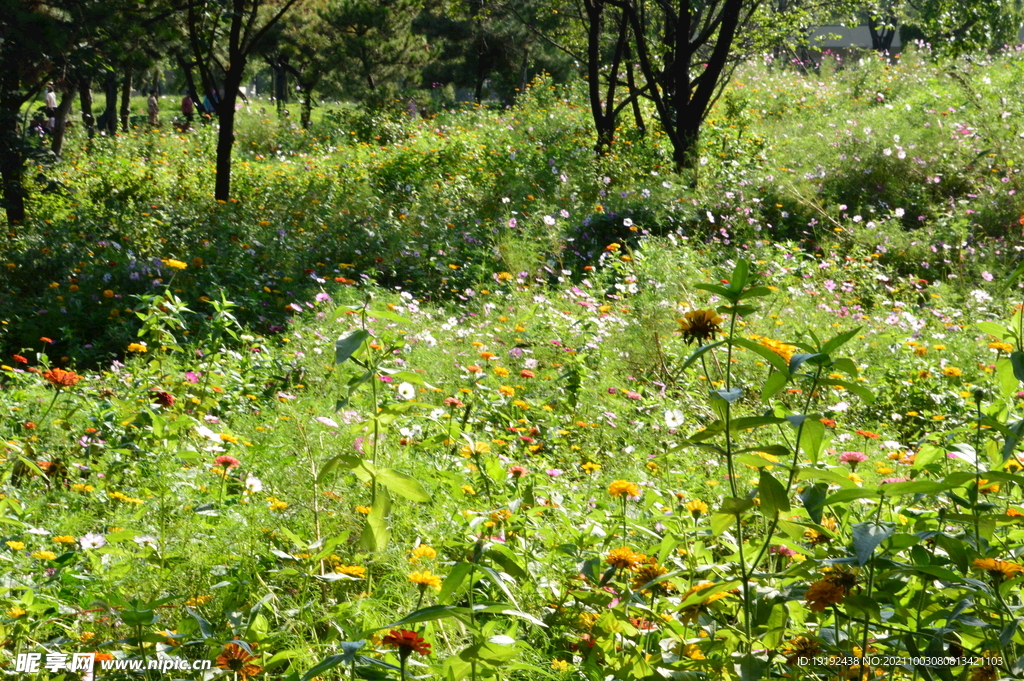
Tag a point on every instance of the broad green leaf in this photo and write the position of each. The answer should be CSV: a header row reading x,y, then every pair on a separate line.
x,y
378,313
928,453
896,489
700,351
866,538
767,354
772,494
994,329
851,494
456,576
403,485
376,534
772,385
348,344
838,341
428,614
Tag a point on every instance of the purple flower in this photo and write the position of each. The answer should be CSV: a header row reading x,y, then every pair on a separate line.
x,y
322,296
192,377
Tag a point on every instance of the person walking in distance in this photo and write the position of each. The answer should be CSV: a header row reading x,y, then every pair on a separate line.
x,y
188,109
154,109
51,108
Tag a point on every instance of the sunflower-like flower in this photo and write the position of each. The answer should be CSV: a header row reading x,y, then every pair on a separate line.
x,y
235,658
624,557
699,326
648,572
998,569
624,488
689,614
407,642
697,508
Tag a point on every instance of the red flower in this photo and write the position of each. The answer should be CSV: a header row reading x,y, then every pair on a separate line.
x,y
868,434
526,373
407,642
164,399
236,659
20,359
227,461
829,423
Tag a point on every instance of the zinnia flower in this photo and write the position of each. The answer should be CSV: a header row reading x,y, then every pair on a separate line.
x,y
822,594
60,378
425,579
174,264
407,642
227,461
624,488
624,558
697,508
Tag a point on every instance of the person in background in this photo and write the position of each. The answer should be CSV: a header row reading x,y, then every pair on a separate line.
x,y
51,108
154,109
188,109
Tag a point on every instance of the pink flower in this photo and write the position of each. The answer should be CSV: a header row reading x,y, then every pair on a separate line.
x,y
327,422
893,480
517,471
782,551
227,461
852,458
633,395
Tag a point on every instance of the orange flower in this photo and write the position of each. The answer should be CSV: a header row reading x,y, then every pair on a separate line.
x,y
998,569
61,378
822,594
236,659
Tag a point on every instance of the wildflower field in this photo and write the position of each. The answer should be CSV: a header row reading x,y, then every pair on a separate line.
x,y
454,398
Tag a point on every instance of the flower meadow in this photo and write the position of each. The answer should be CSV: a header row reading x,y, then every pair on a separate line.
x,y
468,403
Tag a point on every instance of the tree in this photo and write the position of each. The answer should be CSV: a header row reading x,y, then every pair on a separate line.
x,y
221,59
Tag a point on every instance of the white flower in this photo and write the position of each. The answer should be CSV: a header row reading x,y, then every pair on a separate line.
x,y
327,422
548,220
842,406
37,530
674,418
900,212
406,391
207,433
253,484
93,541
146,540
627,222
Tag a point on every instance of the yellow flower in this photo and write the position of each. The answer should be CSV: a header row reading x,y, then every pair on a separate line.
x,y
468,490
275,504
997,569
424,579
650,571
952,372
692,651
198,600
591,467
781,349
560,666
507,390
1000,346
422,552
699,325
108,293
64,539
822,594
501,371
624,488
44,555
137,347
81,487
228,438
16,545
365,510
174,264
15,613
357,571
624,557
697,508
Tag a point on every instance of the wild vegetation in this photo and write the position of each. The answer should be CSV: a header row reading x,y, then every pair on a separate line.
x,y
453,397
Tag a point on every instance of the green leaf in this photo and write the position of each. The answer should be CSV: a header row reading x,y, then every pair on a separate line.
x,y
766,353
851,494
730,396
812,437
720,522
836,342
505,609
896,489
813,499
1017,360
489,653
866,538
348,655
751,667
993,329
700,351
403,485
772,494
375,534
348,344
801,358
428,614
378,313
928,454
734,506
776,382
860,391
456,576
740,275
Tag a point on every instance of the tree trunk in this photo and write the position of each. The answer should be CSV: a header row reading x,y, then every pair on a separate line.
x,y
85,101
226,136
109,117
60,125
631,83
12,167
126,94
190,81
307,104
280,86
